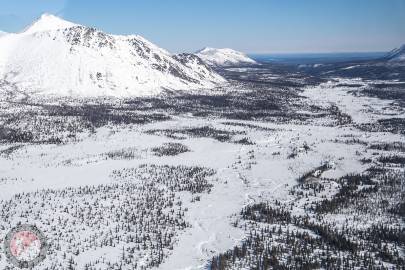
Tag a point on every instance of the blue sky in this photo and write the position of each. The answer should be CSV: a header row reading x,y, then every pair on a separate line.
x,y
253,26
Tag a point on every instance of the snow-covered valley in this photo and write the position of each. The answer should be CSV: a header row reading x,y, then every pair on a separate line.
x,y
235,177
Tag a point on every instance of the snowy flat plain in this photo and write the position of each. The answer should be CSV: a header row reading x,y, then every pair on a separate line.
x,y
254,160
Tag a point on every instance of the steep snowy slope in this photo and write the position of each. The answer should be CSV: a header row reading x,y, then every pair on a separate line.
x,y
57,57
397,54
48,22
224,57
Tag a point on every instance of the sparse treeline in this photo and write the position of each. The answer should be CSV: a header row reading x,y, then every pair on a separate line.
x,y
361,226
55,121
138,217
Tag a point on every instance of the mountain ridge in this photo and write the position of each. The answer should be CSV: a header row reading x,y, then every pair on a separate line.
x,y
397,54
56,57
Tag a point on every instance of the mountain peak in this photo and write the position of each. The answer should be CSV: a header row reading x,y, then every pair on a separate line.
x,y
48,22
82,61
205,49
224,57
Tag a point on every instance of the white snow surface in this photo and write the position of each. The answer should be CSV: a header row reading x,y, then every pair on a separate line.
x,y
48,22
224,57
243,178
56,57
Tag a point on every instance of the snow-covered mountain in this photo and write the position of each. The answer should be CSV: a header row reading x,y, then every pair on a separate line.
x,y
224,57
57,57
2,33
397,54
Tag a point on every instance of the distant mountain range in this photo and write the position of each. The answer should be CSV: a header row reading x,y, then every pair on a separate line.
x,y
397,54
224,57
56,57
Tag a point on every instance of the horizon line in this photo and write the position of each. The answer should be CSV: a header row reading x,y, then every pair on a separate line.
x,y
62,17
316,52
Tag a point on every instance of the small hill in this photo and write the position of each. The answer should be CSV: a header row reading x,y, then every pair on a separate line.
x,y
224,57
